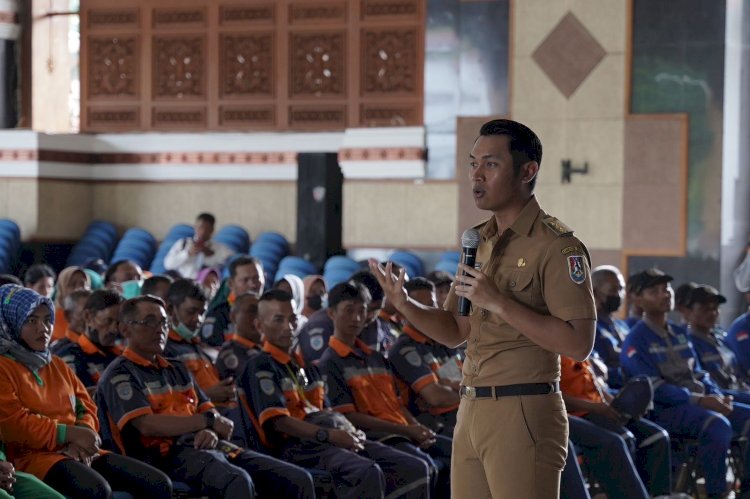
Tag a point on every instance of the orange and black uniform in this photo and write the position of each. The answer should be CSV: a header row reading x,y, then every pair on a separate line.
x,y
86,359
197,361
360,380
276,384
234,354
608,446
416,360
70,337
35,410
134,386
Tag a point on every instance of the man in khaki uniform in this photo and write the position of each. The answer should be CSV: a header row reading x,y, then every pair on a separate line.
x,y
531,302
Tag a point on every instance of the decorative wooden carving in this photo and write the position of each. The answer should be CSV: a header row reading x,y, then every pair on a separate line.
x,y
389,61
246,64
113,66
316,12
317,63
107,18
239,14
178,66
251,64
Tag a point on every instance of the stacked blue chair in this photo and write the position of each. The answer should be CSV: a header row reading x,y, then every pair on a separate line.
x,y
177,232
449,262
338,269
234,237
295,265
10,243
137,245
270,248
98,241
409,261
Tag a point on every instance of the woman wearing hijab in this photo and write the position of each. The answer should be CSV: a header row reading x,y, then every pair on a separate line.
x,y
48,421
316,294
296,289
70,279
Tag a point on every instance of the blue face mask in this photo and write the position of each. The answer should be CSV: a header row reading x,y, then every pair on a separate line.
x,y
185,332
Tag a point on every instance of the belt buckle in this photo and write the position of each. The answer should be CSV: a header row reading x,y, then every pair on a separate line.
x,y
470,392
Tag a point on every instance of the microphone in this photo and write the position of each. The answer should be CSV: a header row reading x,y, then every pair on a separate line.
x,y
469,244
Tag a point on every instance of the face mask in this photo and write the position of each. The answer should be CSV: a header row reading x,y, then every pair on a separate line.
x,y
612,303
185,332
131,289
316,302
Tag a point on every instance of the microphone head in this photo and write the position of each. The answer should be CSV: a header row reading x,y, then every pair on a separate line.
x,y
470,238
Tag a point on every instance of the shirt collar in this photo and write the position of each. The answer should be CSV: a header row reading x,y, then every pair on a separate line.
x,y
175,336
160,363
414,334
521,225
89,346
72,335
277,353
343,350
242,341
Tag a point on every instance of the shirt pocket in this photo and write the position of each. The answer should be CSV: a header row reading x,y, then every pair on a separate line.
x,y
520,285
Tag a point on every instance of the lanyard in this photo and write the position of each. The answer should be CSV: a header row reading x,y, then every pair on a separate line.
x,y
308,407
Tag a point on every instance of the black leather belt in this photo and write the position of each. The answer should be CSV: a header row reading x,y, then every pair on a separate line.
x,y
478,392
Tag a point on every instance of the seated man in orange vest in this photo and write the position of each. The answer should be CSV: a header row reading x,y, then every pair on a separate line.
x,y
187,305
428,373
244,343
284,400
152,410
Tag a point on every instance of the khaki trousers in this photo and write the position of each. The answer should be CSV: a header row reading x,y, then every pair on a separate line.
x,y
509,448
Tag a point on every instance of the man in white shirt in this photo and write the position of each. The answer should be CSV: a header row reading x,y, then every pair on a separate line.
x,y
191,254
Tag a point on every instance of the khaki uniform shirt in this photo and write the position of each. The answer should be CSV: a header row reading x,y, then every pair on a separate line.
x,y
538,262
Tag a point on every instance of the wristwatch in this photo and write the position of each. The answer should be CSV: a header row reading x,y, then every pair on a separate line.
x,y
210,419
322,435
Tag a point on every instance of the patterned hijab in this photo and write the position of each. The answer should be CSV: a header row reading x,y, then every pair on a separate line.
x,y
16,305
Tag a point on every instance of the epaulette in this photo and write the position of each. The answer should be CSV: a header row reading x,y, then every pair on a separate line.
x,y
557,226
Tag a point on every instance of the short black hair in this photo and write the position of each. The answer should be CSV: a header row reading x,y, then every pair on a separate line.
x,y
683,292
102,299
112,269
240,261
129,308
368,280
440,278
182,289
524,144
9,279
275,294
348,291
71,300
419,283
206,217
150,284
241,298
37,272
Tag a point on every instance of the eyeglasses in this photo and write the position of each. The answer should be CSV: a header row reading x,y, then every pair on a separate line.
x,y
152,323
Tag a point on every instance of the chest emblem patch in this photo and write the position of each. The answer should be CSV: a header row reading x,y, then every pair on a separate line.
x,y
521,263
576,269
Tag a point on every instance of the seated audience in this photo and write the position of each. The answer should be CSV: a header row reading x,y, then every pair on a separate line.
x,y
442,281
245,276
286,399
186,307
738,339
70,279
293,285
362,387
428,373
190,255
47,418
687,404
91,352
41,278
701,310
316,294
210,280
608,286
125,277
245,342
73,304
156,413
629,458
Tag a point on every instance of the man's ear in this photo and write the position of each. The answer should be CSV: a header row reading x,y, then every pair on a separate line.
x,y
88,316
529,171
330,312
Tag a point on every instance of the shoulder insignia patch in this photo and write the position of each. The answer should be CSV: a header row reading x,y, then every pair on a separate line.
x,y
571,249
557,226
576,269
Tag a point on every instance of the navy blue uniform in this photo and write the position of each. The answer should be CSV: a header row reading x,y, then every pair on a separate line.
x,y
86,359
738,339
233,356
610,335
